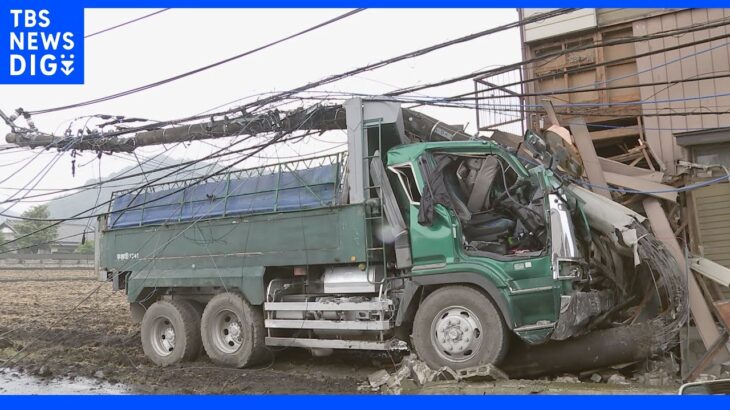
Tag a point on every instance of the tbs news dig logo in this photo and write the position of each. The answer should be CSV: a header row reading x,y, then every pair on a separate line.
x,y
45,47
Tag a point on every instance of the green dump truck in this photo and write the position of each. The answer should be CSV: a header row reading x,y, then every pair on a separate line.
x,y
454,249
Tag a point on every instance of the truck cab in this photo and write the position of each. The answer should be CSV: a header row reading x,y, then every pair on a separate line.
x,y
478,218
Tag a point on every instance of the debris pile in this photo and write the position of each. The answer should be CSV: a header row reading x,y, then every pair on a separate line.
x,y
414,376
413,373
660,202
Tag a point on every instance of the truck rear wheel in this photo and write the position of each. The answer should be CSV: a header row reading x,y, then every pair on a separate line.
x,y
171,332
459,327
233,331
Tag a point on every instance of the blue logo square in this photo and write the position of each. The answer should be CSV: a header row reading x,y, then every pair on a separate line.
x,y
41,44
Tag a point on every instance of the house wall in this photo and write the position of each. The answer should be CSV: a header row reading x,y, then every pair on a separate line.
x,y
646,121
713,58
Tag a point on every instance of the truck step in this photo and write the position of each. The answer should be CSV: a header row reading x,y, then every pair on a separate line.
x,y
327,324
328,306
328,343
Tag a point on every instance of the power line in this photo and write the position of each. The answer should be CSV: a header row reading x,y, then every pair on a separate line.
x,y
133,175
443,102
610,43
221,153
279,137
78,215
38,177
193,223
336,77
46,242
568,71
614,104
685,188
87,186
567,91
83,214
125,23
412,54
125,266
197,70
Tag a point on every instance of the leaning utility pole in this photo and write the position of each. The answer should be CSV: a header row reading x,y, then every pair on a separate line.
x,y
317,118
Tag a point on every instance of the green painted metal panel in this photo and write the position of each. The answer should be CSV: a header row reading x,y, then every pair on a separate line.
x,y
202,251
247,279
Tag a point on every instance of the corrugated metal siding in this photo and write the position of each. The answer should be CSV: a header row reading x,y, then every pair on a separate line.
x,y
713,216
682,64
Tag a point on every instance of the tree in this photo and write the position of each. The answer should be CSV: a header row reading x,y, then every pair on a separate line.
x,y
86,247
40,233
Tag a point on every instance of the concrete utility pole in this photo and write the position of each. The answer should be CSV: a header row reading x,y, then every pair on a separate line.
x,y
322,118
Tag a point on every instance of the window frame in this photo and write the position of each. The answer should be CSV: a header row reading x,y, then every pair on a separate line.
x,y
404,180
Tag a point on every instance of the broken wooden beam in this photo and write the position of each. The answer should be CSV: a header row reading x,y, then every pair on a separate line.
x,y
654,189
550,111
612,133
722,307
707,359
711,270
620,168
591,165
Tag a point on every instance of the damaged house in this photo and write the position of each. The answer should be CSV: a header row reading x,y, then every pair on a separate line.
x,y
644,93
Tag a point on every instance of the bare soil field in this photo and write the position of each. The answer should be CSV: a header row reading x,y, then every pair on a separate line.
x,y
51,326
63,325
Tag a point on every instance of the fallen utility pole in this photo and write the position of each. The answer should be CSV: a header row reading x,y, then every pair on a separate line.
x,y
596,350
316,118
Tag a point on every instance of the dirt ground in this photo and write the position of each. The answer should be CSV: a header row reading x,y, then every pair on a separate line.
x,y
63,325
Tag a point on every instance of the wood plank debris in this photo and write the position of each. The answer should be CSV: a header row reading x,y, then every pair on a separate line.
x,y
711,270
620,168
652,188
591,165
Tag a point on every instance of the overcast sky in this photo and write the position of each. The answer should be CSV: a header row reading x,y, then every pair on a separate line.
x,y
183,39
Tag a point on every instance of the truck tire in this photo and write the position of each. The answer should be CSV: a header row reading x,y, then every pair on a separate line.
x,y
233,331
459,327
171,332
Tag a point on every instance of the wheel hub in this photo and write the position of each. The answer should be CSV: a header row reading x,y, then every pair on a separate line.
x,y
234,333
456,333
163,337
228,332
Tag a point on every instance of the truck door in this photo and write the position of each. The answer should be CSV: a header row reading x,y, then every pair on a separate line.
x,y
431,246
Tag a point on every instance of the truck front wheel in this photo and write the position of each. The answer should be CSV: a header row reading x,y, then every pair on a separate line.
x,y
459,327
233,331
171,332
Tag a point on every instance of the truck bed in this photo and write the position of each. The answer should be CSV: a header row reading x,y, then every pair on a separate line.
x,y
224,251
231,227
